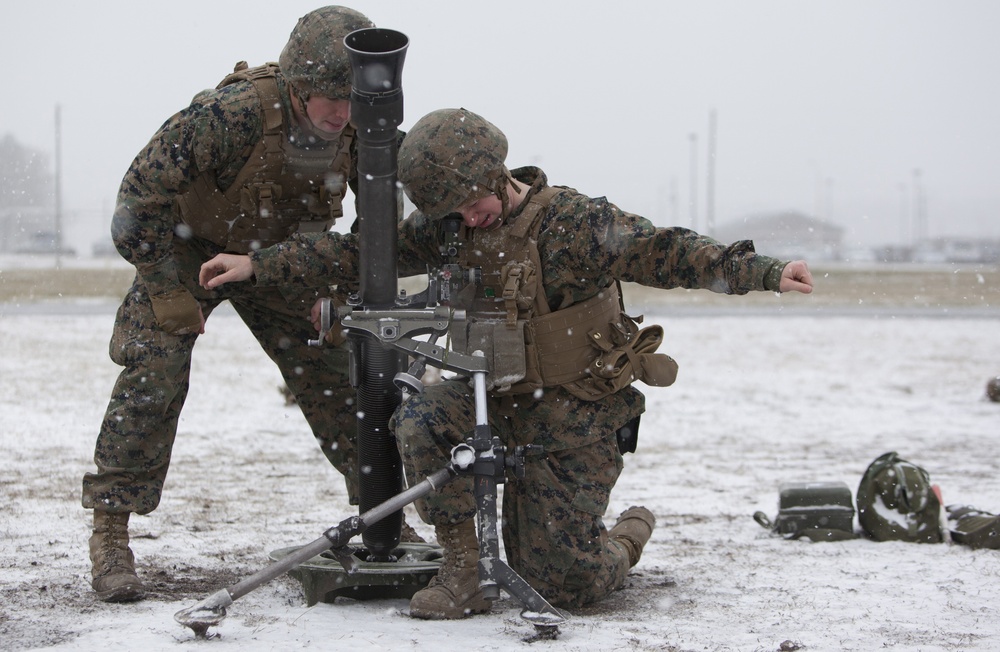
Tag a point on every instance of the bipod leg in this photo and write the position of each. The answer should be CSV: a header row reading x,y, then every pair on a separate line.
x,y
211,610
489,469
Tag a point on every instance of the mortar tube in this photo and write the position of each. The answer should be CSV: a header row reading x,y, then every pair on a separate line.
x,y
376,112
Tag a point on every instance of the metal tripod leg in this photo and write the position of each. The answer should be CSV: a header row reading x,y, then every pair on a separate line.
x,y
494,572
211,610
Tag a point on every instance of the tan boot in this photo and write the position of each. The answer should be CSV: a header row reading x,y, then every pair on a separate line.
x,y
113,563
632,530
454,592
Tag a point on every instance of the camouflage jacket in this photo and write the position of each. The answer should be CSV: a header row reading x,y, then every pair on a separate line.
x,y
584,243
214,135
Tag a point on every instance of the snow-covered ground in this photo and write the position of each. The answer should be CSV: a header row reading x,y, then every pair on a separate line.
x,y
764,396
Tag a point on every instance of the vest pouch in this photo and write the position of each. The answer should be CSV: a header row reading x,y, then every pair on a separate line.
x,y
261,222
616,368
258,199
503,346
323,210
330,204
619,367
509,355
658,369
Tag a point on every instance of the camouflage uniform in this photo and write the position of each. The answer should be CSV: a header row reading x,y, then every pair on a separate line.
x,y
215,135
554,534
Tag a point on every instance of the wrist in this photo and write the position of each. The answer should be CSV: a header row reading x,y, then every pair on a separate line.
x,y
772,278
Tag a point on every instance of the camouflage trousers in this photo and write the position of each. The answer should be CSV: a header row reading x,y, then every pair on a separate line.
x,y
133,447
553,531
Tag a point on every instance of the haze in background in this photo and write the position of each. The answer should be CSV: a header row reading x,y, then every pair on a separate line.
x,y
851,111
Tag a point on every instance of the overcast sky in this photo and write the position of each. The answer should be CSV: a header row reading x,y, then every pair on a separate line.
x,y
825,107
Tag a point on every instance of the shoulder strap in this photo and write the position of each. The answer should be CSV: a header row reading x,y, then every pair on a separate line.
x,y
530,219
529,223
264,80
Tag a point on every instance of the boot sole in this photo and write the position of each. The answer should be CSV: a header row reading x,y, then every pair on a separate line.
x,y
449,615
127,593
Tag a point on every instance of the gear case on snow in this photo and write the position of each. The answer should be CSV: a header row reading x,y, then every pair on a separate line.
x,y
818,511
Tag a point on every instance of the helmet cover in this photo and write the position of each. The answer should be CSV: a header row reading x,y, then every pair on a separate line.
x,y
315,58
450,158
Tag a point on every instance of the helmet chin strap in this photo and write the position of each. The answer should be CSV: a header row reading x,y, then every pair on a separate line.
x,y
302,97
504,183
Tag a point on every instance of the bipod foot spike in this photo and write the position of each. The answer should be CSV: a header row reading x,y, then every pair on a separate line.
x,y
207,613
546,623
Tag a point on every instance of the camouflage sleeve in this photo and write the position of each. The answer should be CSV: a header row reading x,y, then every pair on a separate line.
x,y
315,259
593,241
419,239
212,135
308,259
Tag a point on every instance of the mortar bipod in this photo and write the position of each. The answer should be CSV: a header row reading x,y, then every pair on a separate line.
x,y
211,610
489,471
394,328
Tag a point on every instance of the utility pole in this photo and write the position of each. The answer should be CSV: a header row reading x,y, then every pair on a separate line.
x,y
675,206
694,181
904,212
710,183
829,199
919,219
817,190
58,189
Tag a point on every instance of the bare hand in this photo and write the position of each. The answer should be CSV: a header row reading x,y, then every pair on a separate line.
x,y
224,268
796,277
315,315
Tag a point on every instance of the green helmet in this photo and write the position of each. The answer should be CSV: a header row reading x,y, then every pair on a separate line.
x,y
993,389
451,157
315,59
896,502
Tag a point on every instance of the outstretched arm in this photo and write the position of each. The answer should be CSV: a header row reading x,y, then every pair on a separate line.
x,y
796,277
224,268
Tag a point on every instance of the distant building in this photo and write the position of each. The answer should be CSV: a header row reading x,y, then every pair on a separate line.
x,y
27,229
788,235
957,250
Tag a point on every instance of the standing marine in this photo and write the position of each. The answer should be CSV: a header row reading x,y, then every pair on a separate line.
x,y
268,153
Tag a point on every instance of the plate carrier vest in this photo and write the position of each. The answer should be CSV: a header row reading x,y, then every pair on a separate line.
x,y
591,348
280,190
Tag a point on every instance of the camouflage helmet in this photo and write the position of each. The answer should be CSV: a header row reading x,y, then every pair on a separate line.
x,y
452,157
993,389
896,502
315,59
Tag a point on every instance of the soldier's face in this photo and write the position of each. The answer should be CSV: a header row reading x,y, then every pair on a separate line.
x,y
328,117
482,213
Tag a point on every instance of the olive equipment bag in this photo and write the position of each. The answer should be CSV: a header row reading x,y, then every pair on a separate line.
x,y
896,502
816,511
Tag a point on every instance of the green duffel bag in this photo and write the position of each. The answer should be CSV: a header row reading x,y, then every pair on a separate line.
x,y
896,502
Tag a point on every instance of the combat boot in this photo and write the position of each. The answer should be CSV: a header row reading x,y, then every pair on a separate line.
x,y
113,563
632,530
454,592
